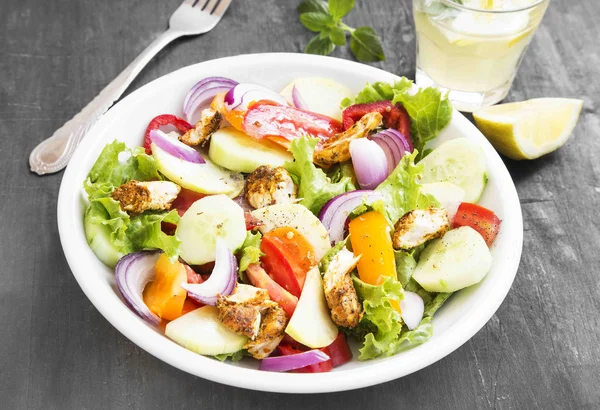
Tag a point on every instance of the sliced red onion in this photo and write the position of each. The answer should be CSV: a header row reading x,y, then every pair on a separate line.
x,y
175,148
369,162
412,308
243,94
394,145
203,92
222,280
335,212
243,203
293,361
298,100
132,273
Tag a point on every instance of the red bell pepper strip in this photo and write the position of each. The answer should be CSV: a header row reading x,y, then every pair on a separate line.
x,y
161,121
394,116
282,124
479,218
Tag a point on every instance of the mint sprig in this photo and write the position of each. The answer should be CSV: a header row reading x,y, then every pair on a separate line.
x,y
325,18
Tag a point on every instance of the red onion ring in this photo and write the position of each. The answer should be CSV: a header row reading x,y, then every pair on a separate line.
x,y
203,92
293,361
222,280
412,308
298,100
175,148
335,212
369,162
132,273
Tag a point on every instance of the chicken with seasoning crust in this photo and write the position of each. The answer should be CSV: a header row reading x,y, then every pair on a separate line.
x,y
137,197
250,312
210,122
269,186
419,226
271,331
337,148
346,309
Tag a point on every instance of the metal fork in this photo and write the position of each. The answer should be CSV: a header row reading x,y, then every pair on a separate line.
x,y
192,17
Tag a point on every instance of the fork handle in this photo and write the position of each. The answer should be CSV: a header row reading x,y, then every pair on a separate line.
x,y
53,154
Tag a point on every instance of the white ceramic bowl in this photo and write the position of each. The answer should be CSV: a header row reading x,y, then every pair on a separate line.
x,y
459,319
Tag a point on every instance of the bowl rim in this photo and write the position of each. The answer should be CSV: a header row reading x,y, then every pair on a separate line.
x,y
168,351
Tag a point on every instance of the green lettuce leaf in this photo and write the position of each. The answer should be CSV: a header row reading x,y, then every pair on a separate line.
x,y
108,172
405,266
250,252
144,232
341,171
433,305
235,356
314,187
383,321
328,257
402,191
411,338
429,110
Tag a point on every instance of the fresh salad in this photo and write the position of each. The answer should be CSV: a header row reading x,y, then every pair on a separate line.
x,y
280,225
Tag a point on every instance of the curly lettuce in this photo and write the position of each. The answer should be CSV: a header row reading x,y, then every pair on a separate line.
x,y
428,108
112,232
250,252
314,187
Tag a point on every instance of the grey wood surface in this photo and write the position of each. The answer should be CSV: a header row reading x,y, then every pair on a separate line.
x,y
539,351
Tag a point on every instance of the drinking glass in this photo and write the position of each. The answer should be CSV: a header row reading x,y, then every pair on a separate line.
x,y
473,48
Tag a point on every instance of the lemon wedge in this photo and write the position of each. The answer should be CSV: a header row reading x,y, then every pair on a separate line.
x,y
529,129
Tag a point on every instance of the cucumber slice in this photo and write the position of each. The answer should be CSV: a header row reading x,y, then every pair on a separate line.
x,y
458,259
202,332
321,95
448,195
234,150
205,178
206,219
98,237
460,162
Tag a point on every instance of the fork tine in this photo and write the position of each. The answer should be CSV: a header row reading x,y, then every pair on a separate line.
x,y
189,2
222,7
210,6
200,4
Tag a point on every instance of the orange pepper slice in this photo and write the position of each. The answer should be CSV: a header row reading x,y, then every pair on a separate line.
x,y
164,296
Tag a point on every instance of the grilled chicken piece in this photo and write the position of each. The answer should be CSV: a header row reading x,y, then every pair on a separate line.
x,y
346,309
271,331
337,148
137,197
210,121
241,311
419,226
268,186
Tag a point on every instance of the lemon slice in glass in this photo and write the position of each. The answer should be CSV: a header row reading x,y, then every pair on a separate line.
x,y
529,129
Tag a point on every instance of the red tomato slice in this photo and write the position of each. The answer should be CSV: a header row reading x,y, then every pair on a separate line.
x,y
479,218
338,350
297,252
279,267
185,199
286,350
162,121
259,278
251,222
394,116
264,119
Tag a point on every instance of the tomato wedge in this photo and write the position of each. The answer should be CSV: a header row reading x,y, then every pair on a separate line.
x,y
338,351
251,222
162,121
479,218
259,278
288,256
283,124
394,116
184,200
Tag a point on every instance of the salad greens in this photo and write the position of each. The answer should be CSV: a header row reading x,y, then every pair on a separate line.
x,y
314,187
325,18
429,110
116,165
250,251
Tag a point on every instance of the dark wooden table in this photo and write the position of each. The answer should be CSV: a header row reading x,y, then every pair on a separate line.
x,y
540,350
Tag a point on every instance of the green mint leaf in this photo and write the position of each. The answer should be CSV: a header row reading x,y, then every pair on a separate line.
x,y
321,46
366,45
339,8
310,6
316,21
337,36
